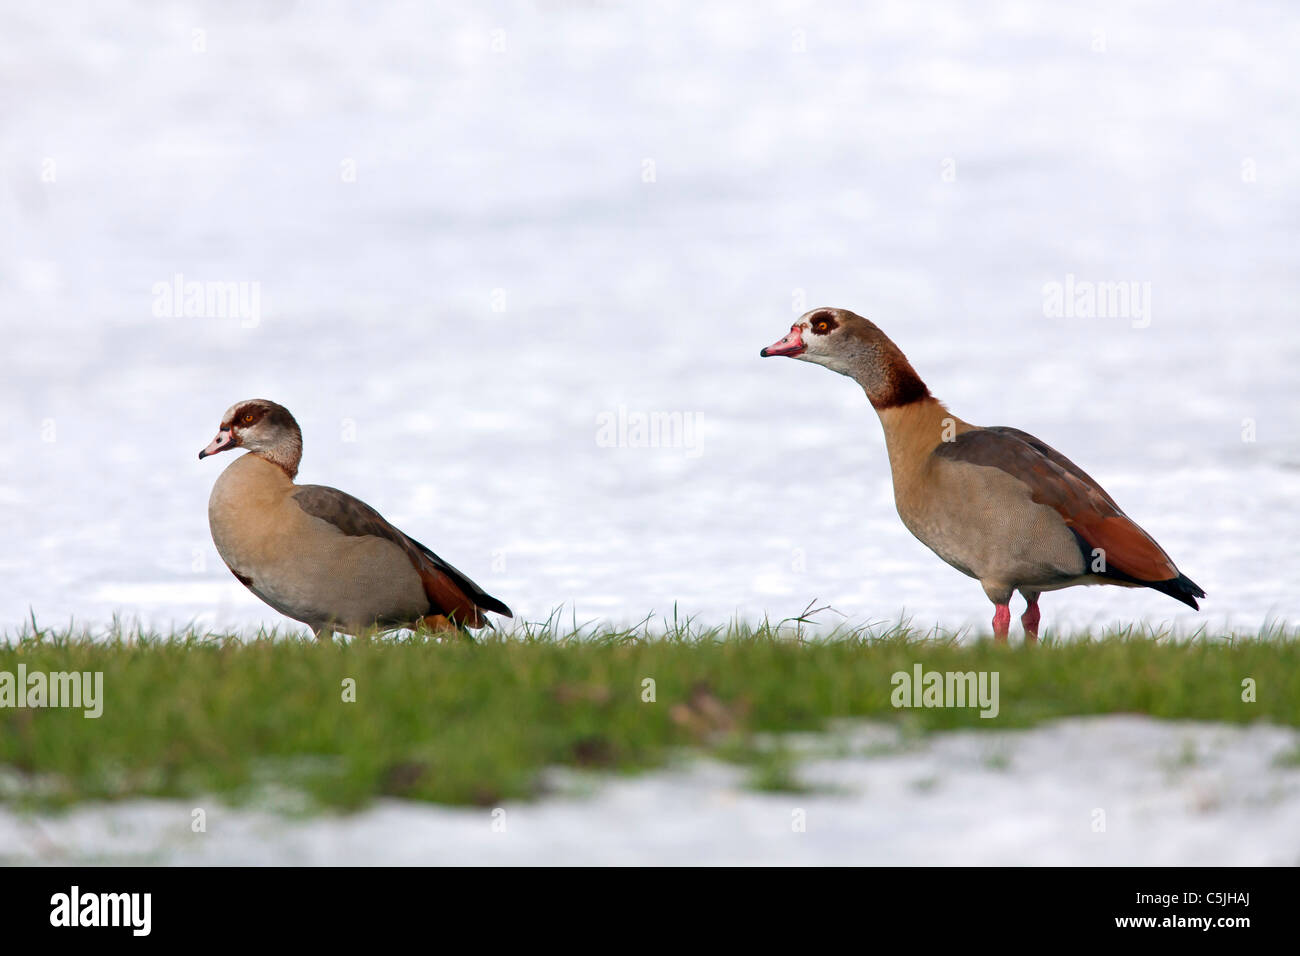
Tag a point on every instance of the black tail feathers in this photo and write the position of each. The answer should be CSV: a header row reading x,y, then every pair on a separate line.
x,y
1181,588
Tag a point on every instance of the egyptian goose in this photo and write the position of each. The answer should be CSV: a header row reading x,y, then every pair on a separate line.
x,y
319,555
995,503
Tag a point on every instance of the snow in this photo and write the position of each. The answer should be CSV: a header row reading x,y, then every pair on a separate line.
x,y
450,324
1117,790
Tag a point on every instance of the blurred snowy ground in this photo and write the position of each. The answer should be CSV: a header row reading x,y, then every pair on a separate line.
x,y
462,268
1116,791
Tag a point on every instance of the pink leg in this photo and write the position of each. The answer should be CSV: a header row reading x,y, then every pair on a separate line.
x,y
1001,622
1030,620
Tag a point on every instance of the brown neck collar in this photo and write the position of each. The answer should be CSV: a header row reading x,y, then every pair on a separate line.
x,y
900,385
287,464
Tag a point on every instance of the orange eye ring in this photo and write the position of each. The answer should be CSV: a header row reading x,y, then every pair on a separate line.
x,y
248,419
821,328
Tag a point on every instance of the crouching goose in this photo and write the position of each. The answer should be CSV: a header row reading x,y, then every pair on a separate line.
x,y
319,555
995,503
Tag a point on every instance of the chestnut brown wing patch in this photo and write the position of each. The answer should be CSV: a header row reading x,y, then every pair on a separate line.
x,y
1057,482
450,592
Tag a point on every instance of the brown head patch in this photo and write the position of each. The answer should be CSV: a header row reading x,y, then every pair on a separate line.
x,y
823,322
248,414
869,356
280,443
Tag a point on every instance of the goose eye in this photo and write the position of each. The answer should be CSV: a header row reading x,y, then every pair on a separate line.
x,y
248,419
821,327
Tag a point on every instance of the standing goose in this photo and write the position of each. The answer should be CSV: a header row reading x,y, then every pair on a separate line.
x,y
319,555
995,503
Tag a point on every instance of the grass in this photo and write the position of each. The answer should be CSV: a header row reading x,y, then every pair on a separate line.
x,y
476,722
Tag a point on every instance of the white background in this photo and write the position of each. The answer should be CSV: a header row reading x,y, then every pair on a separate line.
x,y
798,154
